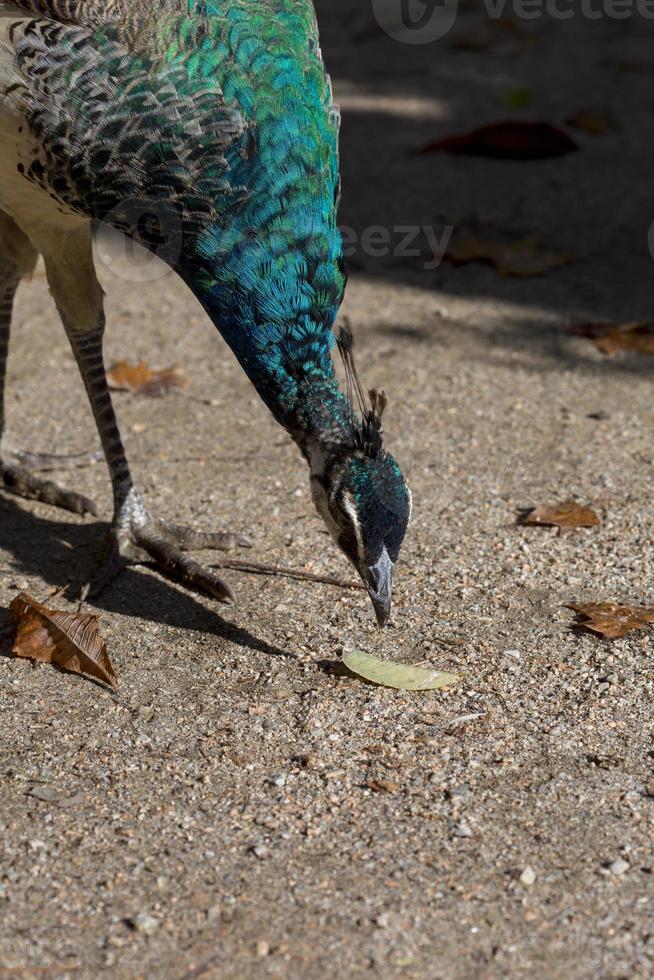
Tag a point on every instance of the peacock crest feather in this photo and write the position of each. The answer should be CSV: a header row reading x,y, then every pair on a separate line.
x,y
366,430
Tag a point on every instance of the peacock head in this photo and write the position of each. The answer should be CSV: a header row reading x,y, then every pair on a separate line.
x,y
360,492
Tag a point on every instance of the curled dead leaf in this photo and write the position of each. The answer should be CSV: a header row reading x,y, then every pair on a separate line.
x,y
611,620
67,640
507,141
520,258
610,338
567,514
143,380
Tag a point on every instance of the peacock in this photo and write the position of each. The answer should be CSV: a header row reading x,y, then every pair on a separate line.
x,y
206,131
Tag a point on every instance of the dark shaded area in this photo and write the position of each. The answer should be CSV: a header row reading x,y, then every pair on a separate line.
x,y
63,554
597,204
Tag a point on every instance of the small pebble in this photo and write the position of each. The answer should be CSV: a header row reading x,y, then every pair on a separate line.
x,y
145,923
260,851
513,653
263,948
619,866
528,876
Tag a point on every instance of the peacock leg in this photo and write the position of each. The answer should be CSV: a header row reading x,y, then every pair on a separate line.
x,y
17,258
137,537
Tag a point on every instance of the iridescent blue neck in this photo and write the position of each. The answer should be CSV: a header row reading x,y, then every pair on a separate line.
x,y
293,373
274,295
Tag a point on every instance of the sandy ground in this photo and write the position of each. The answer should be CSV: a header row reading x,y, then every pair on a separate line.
x,y
239,809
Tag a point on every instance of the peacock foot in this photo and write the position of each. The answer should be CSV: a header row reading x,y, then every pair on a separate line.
x,y
19,480
139,538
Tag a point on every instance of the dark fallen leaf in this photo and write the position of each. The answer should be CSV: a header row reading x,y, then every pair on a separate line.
x,y
596,123
520,258
143,380
567,514
507,141
611,620
70,641
610,338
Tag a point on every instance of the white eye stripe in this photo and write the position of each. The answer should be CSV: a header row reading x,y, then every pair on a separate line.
x,y
350,510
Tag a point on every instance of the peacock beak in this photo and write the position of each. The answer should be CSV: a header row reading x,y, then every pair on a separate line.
x,y
378,579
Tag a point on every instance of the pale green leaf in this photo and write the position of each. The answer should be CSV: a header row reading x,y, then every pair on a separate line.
x,y
403,677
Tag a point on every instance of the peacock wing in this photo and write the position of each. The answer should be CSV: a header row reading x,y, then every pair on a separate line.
x,y
120,120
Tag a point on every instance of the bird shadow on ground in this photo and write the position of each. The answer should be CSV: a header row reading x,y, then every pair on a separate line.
x,y
51,549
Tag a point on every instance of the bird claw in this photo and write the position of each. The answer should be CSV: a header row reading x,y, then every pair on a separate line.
x,y
21,482
138,538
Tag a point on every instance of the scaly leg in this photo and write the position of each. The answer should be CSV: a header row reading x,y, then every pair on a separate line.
x,y
17,258
137,536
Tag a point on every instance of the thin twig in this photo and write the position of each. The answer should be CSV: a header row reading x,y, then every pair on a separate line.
x,y
254,568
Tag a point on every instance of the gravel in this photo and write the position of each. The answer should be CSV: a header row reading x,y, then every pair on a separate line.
x,y
255,810
619,866
528,876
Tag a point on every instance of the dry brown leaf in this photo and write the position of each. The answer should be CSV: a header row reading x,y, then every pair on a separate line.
x,y
610,338
610,620
567,514
520,258
70,641
142,379
507,141
596,123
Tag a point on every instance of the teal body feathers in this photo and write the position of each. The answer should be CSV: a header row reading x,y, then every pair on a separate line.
x,y
275,274
214,118
224,111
